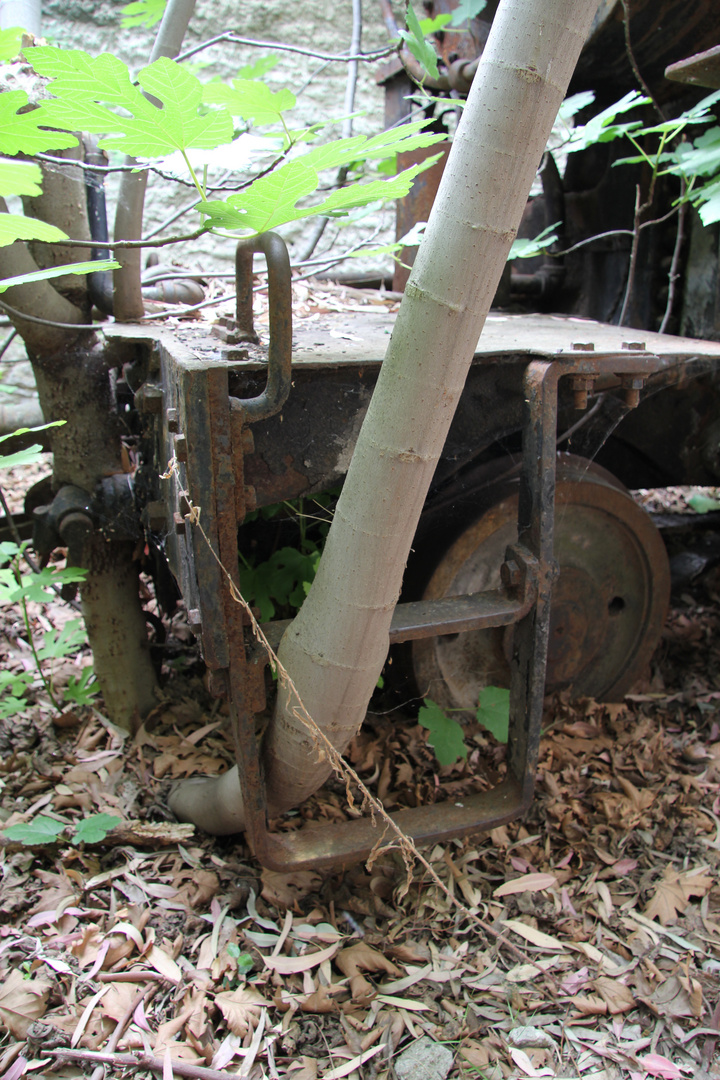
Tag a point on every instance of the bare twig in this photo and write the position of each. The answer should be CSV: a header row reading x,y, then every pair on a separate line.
x,y
142,1061
375,54
99,1072
46,322
639,208
347,128
126,245
674,274
633,62
129,976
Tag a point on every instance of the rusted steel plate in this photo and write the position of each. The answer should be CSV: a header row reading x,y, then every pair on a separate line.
x,y
702,69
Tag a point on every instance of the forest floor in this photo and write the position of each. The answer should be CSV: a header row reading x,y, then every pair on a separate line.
x,y
582,941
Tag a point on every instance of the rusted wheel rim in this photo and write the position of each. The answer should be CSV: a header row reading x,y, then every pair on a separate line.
x,y
609,602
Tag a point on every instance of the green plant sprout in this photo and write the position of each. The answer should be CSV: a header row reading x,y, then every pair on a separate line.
x,y
446,735
285,577
695,162
43,829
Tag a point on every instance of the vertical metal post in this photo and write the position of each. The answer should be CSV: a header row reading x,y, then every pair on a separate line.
x,y
535,532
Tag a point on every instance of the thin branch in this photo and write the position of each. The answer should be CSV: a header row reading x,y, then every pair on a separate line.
x,y
633,62
674,274
46,322
639,207
99,1072
318,264
124,245
142,1061
8,342
347,128
106,169
376,54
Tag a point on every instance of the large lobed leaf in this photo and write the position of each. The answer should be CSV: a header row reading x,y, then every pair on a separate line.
x,y
272,200
85,89
250,99
18,227
20,178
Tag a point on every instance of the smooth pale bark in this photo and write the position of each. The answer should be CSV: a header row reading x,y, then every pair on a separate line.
x,y
335,648
128,301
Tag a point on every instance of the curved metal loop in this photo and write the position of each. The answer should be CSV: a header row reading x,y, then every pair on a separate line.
x,y
277,389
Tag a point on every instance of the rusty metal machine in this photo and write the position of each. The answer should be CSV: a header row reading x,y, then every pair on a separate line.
x,y
246,428
531,568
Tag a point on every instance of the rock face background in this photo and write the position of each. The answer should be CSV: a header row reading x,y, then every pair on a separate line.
x,y
94,25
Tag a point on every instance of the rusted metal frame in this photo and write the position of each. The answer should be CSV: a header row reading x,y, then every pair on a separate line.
x,y
246,668
536,511
533,553
448,615
215,483
214,421
532,557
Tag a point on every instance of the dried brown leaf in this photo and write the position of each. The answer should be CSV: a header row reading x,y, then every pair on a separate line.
x,y
283,889
676,997
618,997
241,1009
22,1001
673,894
362,957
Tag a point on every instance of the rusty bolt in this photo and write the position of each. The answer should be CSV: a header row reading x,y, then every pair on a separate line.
x,y
181,451
582,386
173,420
247,441
510,574
632,385
583,346
179,523
149,399
194,619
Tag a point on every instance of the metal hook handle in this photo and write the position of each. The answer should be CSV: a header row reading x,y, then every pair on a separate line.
x,y
277,389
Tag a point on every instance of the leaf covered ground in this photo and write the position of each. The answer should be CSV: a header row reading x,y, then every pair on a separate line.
x,y
583,941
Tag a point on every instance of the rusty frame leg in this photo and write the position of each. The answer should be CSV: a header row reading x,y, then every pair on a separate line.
x,y
353,840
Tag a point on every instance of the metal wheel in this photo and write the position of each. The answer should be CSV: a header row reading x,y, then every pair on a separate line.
x,y
609,602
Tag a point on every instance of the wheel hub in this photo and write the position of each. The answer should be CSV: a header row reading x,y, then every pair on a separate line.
x,y
609,601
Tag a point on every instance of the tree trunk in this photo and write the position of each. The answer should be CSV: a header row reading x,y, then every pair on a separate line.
x,y
74,381
335,649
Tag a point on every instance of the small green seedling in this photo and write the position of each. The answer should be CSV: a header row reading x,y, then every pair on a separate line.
x,y
494,711
446,734
44,830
